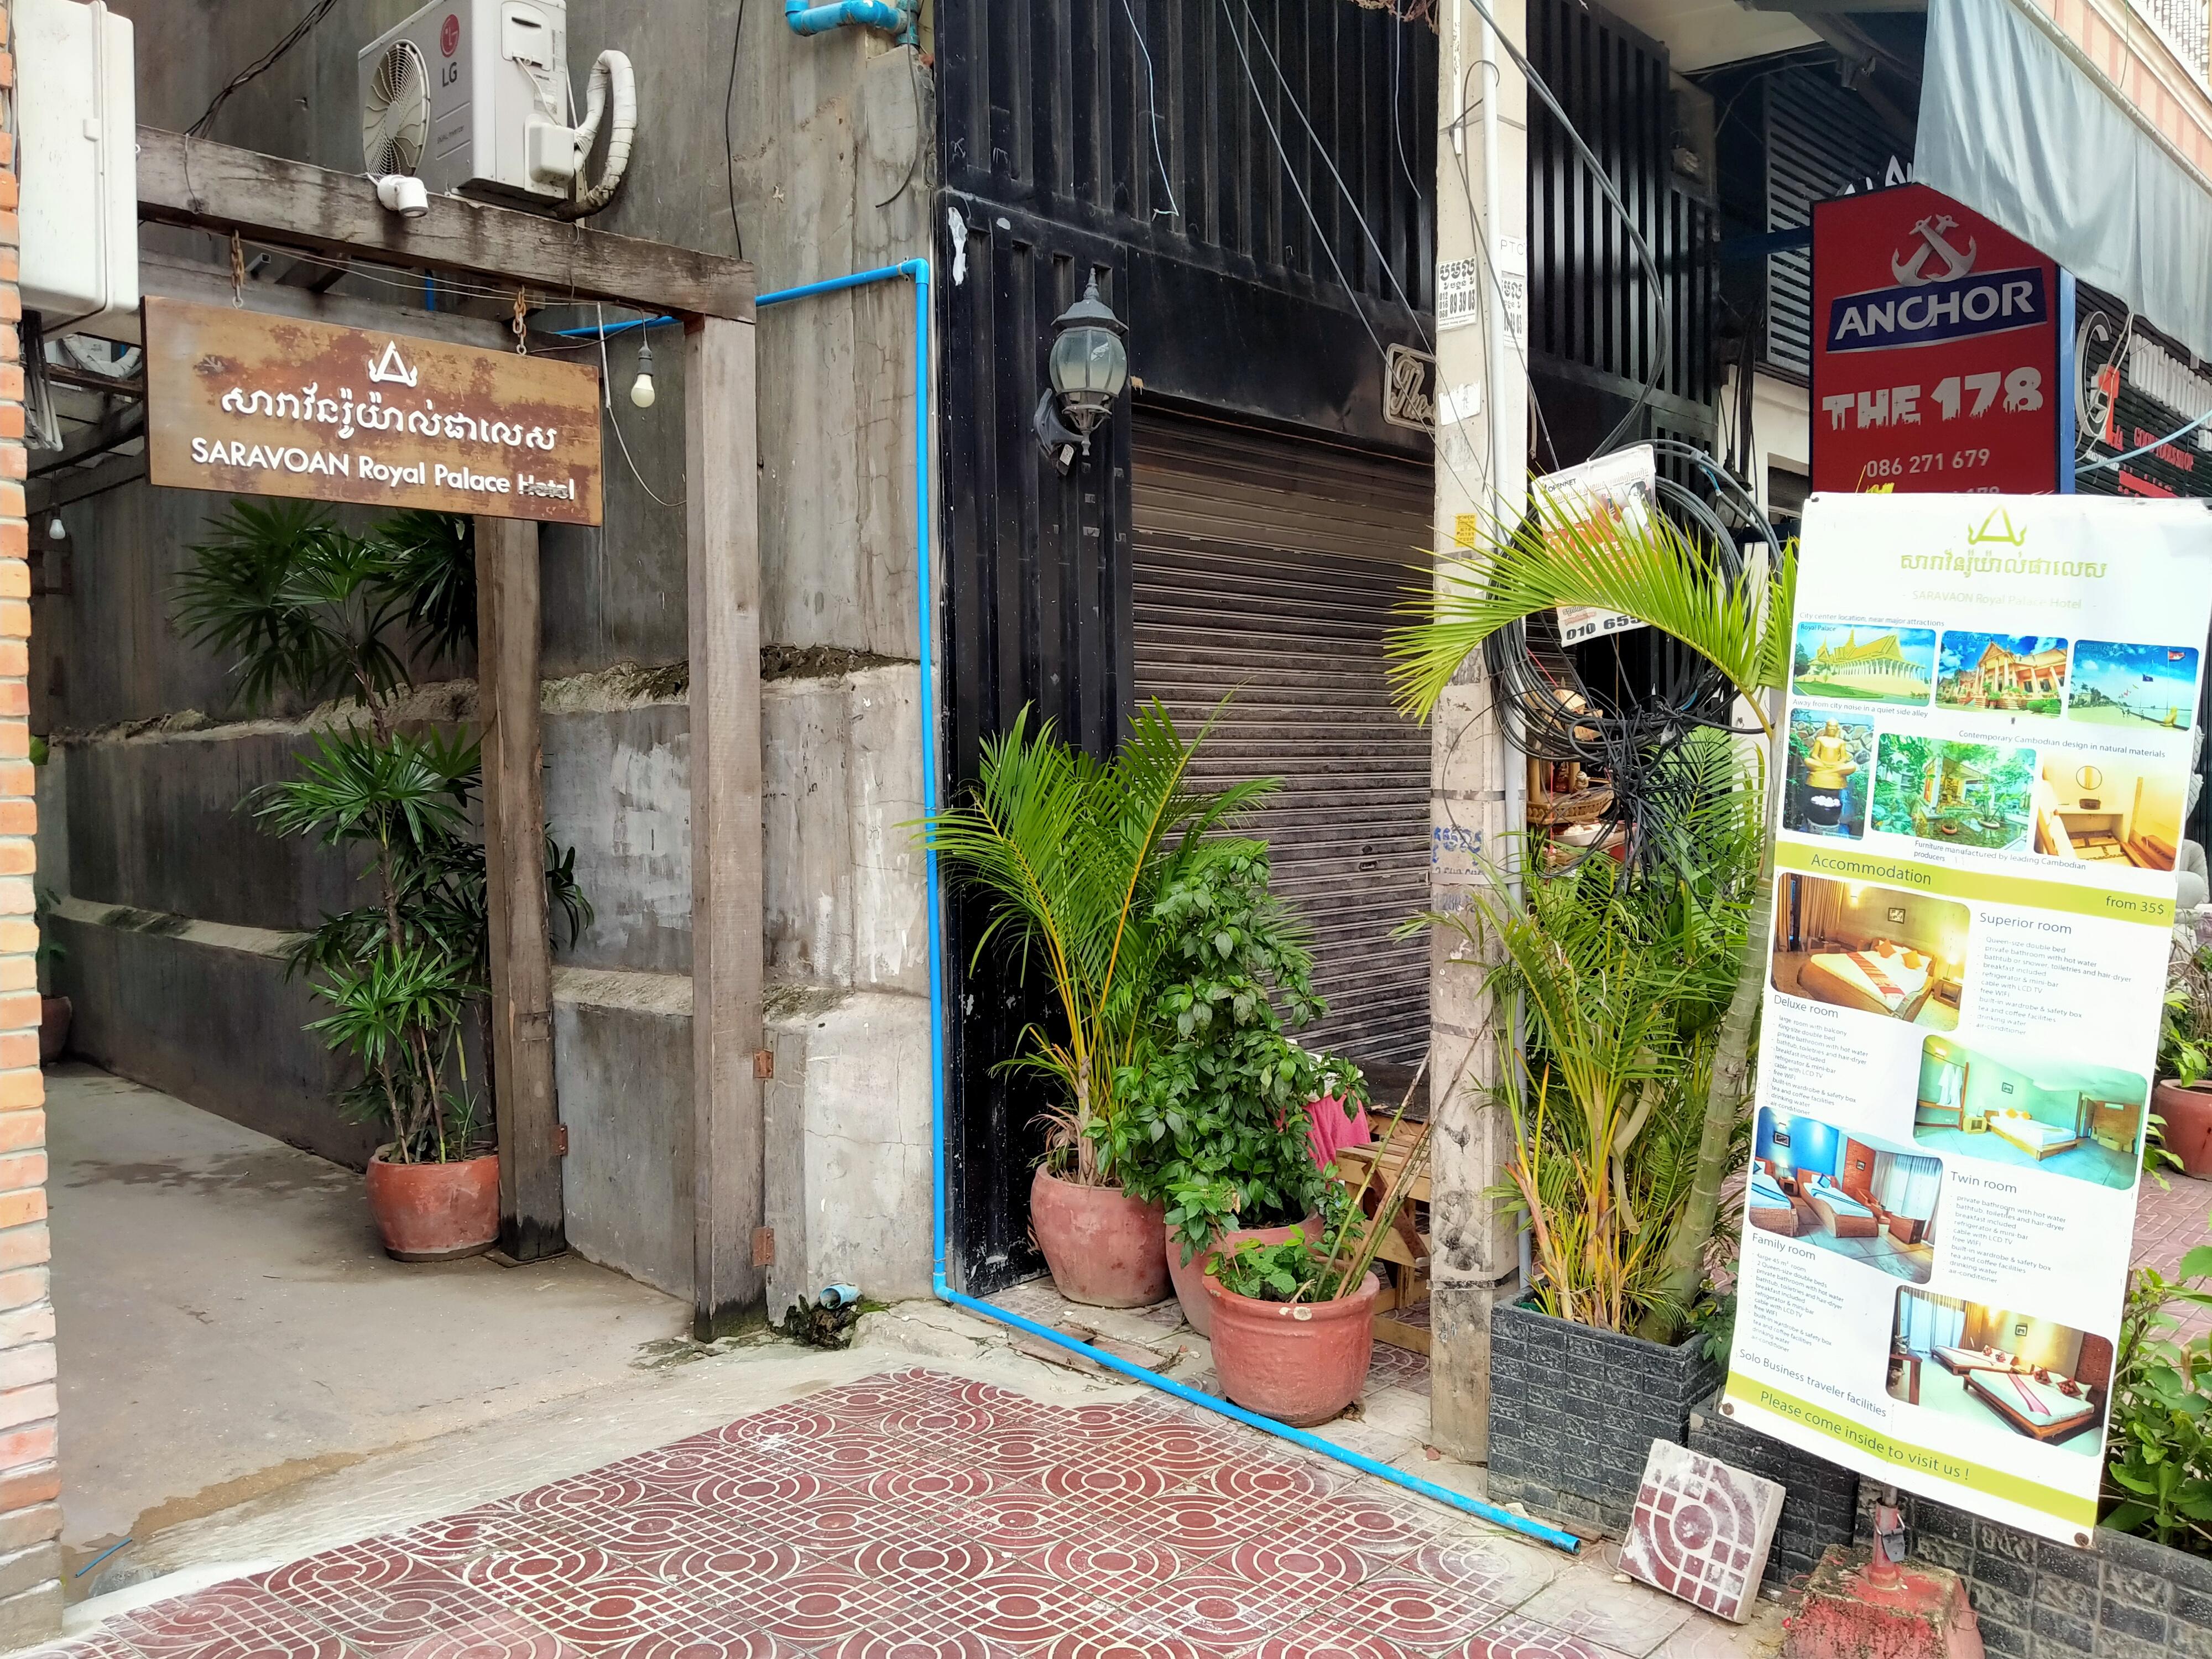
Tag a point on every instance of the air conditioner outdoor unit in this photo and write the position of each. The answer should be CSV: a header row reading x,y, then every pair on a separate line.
x,y
472,96
76,134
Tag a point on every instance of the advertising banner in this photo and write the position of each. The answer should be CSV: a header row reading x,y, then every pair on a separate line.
x,y
1987,743
1935,350
1620,489
252,404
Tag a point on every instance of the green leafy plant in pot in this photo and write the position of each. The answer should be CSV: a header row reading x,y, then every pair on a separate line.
x,y
2158,1449
1294,1318
1069,853
311,613
2181,1102
1214,1122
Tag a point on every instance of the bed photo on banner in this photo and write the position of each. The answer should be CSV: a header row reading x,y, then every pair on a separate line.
x,y
1990,732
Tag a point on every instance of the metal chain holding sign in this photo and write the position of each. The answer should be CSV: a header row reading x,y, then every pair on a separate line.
x,y
521,328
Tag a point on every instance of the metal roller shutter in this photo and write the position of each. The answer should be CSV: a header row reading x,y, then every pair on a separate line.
x,y
1271,569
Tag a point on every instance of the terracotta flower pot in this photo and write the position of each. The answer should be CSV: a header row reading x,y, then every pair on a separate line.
x,y
54,1016
1189,1277
435,1211
1105,1248
2187,1110
1300,1363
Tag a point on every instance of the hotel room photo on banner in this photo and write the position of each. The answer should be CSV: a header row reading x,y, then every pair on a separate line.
x,y
1855,1196
2114,809
1880,950
2065,1116
1999,1369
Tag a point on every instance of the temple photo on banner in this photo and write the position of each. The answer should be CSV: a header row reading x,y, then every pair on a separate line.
x,y
2070,1117
1847,1194
1879,950
2000,1368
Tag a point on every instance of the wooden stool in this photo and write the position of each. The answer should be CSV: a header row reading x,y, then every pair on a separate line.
x,y
1401,1311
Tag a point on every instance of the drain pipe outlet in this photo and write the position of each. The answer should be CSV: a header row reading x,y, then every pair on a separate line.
x,y
892,19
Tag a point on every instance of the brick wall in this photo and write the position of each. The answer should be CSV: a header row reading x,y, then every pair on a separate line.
x,y
30,1478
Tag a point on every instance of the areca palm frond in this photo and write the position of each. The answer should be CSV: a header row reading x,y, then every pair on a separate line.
x,y
1070,850
1650,571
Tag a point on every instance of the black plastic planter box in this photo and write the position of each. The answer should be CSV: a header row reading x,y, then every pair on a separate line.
x,y
1573,1413
2124,1598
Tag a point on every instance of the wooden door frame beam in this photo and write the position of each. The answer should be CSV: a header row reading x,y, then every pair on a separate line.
x,y
221,188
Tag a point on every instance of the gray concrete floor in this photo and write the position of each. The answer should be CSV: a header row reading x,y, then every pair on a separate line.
x,y
228,1325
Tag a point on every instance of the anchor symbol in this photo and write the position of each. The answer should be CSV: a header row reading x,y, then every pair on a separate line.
x,y
1931,231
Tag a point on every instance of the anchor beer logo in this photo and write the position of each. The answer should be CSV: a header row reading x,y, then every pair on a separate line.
x,y
1911,267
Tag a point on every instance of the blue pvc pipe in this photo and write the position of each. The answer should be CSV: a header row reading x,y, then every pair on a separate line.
x,y
867,14
917,272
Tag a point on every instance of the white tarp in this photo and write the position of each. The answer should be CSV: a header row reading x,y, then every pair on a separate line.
x,y
2015,128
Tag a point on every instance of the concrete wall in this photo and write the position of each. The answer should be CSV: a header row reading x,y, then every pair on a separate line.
x,y
831,172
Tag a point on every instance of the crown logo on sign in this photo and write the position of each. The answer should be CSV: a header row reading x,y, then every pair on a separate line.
x,y
392,368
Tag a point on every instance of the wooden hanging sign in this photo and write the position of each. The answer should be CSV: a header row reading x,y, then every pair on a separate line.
x,y
244,403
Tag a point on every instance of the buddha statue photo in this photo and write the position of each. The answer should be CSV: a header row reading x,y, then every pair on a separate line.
x,y
1828,766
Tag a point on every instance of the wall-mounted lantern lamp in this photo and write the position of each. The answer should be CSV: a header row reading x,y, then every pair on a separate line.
x,y
1089,366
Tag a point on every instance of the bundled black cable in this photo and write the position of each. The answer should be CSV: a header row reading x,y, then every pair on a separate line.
x,y
1626,733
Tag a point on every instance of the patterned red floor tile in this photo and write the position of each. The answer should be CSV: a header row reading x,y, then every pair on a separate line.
x,y
1381,1530
1301,1568
902,1644
379,1600
1013,1608
1112,1565
1328,1637
1105,1483
1516,1637
228,1621
1275,1479
455,1539
680,1645
1414,1613
924,1564
495,1635
1018,1522
1110,1640
1187,1453
1215,1610
822,1606
1205,1524
718,1570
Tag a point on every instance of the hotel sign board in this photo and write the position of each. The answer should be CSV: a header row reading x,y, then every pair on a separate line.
x,y
247,404
1993,704
1935,350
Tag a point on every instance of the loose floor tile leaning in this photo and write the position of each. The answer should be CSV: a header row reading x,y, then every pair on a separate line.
x,y
920,1515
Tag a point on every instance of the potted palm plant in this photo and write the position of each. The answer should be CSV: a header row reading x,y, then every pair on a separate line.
x,y
310,611
1071,852
1641,990
1213,1120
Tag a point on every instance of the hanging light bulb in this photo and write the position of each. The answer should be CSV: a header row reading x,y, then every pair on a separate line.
x,y
641,389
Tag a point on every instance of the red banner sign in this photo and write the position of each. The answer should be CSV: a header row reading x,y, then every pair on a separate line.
x,y
1935,350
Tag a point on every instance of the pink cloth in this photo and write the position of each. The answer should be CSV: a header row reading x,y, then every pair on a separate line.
x,y
1332,1129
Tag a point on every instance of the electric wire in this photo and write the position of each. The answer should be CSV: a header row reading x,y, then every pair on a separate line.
x,y
1397,99
729,131
1152,103
260,65
607,391
1663,343
1298,108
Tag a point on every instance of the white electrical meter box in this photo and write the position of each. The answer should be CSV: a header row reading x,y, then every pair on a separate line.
x,y
76,138
472,96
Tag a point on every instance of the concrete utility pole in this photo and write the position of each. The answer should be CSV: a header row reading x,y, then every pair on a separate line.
x,y
1478,784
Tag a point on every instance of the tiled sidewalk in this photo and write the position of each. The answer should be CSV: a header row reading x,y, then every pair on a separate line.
x,y
919,1515
2170,1222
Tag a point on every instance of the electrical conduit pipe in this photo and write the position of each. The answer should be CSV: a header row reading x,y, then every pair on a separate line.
x,y
917,272
882,15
